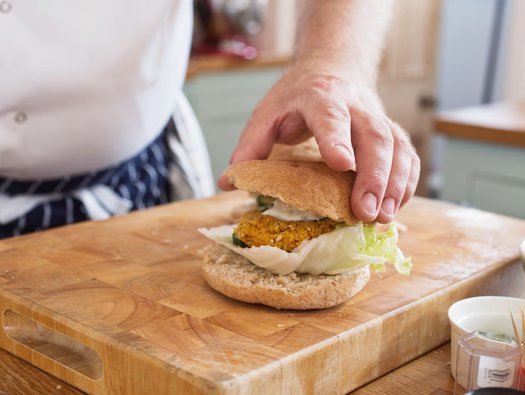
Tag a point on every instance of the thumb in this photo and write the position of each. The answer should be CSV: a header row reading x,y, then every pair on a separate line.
x,y
256,142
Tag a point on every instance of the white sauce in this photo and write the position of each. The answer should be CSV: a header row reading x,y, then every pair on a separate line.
x,y
285,212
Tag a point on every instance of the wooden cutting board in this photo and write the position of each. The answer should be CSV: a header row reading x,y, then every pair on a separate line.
x,y
120,307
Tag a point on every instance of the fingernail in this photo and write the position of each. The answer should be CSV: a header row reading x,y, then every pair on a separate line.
x,y
388,206
369,203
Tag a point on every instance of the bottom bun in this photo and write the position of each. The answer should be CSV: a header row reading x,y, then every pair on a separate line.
x,y
236,277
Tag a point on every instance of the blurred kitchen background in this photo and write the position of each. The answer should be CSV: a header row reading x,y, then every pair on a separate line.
x,y
453,75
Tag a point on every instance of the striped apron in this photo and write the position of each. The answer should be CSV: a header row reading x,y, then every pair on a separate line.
x,y
157,175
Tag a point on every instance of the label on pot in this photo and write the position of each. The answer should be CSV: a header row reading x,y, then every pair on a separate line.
x,y
495,372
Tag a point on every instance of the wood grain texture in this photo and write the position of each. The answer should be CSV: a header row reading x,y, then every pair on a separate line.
x,y
502,123
429,374
20,378
130,290
219,63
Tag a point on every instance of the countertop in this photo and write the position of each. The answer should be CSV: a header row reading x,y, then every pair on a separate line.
x,y
219,63
502,123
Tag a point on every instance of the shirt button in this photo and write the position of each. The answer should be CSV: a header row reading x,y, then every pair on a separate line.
x,y
5,6
20,117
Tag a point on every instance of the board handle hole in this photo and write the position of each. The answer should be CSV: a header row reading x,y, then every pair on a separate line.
x,y
52,344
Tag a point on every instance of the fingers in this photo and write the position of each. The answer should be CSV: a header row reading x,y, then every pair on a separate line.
x,y
399,175
387,168
412,180
374,148
329,122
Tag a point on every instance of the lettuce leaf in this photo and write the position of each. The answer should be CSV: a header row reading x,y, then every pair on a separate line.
x,y
383,247
344,249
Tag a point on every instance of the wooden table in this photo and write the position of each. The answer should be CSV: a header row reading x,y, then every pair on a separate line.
x,y
429,374
426,375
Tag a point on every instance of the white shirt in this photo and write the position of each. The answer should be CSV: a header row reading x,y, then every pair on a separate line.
x,y
86,84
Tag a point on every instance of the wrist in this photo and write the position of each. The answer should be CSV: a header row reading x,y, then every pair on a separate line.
x,y
324,67
314,68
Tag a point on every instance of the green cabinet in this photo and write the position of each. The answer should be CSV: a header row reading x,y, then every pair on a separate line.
x,y
489,176
223,102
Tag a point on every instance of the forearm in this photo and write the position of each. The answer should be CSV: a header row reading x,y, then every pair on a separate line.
x,y
342,35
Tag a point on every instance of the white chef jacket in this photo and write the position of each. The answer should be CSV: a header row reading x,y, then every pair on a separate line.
x,y
86,84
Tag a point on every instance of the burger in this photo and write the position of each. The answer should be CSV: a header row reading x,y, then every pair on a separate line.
x,y
301,246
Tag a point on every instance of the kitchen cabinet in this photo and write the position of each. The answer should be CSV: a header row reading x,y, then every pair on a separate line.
x,y
484,157
223,93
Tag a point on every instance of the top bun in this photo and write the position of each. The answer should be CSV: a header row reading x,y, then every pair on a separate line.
x,y
305,185
307,150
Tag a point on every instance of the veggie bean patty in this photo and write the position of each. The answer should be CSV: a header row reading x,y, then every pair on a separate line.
x,y
256,229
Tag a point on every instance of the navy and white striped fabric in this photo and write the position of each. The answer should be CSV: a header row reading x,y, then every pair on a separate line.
x,y
143,180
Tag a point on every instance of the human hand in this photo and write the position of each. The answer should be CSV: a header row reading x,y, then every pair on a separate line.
x,y
351,128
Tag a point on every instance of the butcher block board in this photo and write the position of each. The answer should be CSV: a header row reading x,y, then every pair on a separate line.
x,y
120,306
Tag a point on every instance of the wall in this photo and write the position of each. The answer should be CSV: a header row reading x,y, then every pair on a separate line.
x,y
513,86
278,31
464,49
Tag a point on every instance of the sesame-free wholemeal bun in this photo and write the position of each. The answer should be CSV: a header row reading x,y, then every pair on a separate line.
x,y
305,185
236,277
300,247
